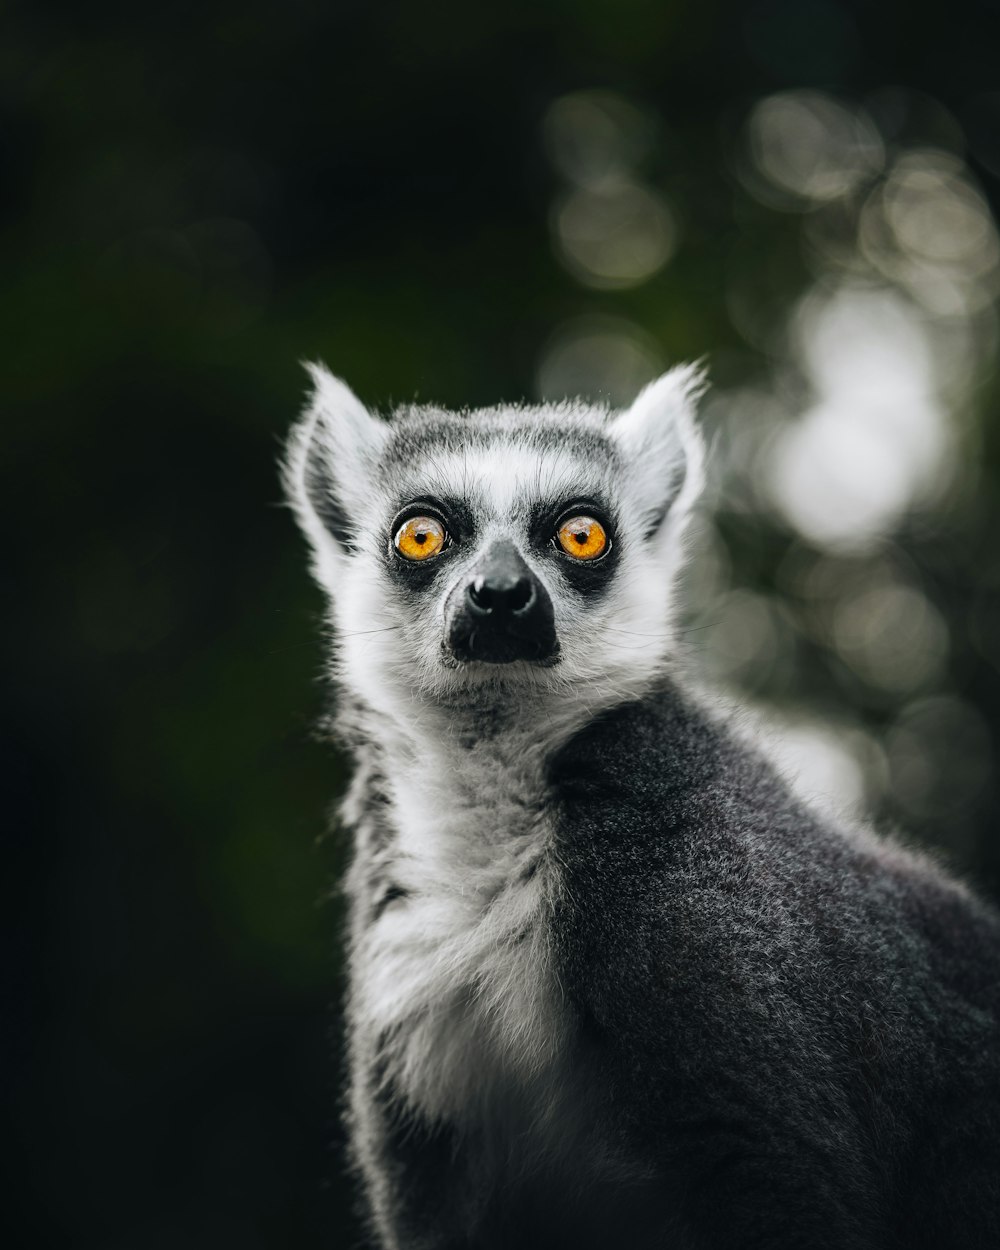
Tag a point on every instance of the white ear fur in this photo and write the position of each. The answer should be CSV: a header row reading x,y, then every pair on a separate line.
x,y
330,460
660,440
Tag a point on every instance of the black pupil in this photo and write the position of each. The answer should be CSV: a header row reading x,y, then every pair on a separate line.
x,y
421,537
581,537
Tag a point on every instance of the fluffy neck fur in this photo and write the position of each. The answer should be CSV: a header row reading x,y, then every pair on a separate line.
x,y
451,891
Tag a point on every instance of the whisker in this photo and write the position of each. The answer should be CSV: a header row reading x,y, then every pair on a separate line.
x,y
696,629
638,633
358,633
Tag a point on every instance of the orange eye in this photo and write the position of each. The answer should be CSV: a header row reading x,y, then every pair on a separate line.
x,y
420,537
582,537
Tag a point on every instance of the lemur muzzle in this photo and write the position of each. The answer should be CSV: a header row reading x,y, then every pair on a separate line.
x,y
503,613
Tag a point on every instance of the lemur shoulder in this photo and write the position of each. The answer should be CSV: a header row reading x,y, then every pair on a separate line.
x,y
611,982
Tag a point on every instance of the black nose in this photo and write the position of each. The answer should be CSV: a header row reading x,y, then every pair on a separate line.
x,y
503,613
501,594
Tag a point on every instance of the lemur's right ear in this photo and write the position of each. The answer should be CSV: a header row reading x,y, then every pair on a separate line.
x,y
330,461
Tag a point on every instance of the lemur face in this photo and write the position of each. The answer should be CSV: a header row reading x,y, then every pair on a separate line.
x,y
496,538
509,548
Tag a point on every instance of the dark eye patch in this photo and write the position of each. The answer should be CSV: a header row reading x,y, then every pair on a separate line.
x,y
587,577
456,517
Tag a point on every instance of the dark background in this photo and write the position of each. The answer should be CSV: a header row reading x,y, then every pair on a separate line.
x,y
195,197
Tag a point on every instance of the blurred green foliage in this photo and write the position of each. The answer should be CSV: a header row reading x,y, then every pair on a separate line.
x,y
195,198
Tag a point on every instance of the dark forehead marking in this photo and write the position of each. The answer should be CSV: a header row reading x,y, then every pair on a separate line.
x,y
418,432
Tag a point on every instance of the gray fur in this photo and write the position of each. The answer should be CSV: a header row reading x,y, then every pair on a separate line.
x,y
611,982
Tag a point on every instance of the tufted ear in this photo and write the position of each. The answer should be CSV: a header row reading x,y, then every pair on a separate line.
x,y
663,447
330,461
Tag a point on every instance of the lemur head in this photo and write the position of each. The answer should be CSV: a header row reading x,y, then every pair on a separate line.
x,y
509,551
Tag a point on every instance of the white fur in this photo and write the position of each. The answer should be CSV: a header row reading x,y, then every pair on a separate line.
x,y
459,971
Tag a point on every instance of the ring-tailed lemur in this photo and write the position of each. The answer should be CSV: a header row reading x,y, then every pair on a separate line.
x,y
612,984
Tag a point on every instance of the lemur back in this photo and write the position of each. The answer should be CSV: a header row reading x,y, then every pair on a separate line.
x,y
611,981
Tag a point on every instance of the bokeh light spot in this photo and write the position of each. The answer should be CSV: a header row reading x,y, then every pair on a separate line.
x,y
807,145
614,237
605,358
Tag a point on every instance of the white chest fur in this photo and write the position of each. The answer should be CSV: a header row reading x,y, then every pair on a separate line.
x,y
453,980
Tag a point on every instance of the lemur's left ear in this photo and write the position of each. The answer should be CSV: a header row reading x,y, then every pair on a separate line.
x,y
330,461
663,446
